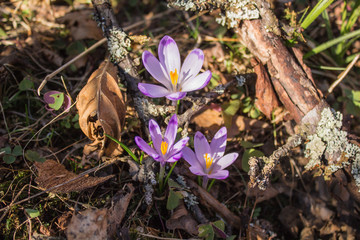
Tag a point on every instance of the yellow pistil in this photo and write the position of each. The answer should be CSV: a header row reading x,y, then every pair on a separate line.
x,y
174,76
208,160
164,146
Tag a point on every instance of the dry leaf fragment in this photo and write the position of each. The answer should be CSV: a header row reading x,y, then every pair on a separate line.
x,y
102,111
88,225
181,219
118,210
52,173
266,99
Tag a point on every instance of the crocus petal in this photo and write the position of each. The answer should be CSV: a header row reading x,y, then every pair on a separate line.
x,y
146,148
155,69
179,146
176,96
171,131
174,157
221,174
218,143
202,147
152,90
197,171
169,54
192,65
200,81
227,160
191,158
155,134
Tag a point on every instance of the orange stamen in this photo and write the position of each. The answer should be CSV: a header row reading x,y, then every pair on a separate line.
x,y
208,160
174,76
164,146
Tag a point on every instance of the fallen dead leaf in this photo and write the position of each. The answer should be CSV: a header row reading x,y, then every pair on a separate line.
x,y
289,217
266,99
88,225
52,173
117,212
81,25
102,111
181,219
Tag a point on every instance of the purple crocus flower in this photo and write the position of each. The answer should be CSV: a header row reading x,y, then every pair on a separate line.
x,y
165,149
209,160
177,80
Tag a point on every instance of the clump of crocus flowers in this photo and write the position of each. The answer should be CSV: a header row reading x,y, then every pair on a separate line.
x,y
208,160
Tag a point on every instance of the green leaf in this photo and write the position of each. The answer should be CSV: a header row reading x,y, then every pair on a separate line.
x,y
355,97
33,156
26,84
254,113
232,237
75,48
59,100
9,159
2,33
173,200
218,228
32,212
328,44
206,231
7,150
232,107
246,156
17,151
173,184
246,144
315,12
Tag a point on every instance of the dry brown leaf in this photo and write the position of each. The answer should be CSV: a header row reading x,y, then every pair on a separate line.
x,y
118,210
266,99
52,173
181,219
81,25
88,225
102,110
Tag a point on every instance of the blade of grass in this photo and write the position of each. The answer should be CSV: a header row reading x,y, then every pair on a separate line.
x,y
124,147
332,42
315,12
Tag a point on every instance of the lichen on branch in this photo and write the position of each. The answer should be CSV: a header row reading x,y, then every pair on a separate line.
x,y
232,11
331,143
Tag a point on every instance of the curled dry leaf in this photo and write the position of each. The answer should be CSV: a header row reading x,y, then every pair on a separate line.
x,y
52,173
102,111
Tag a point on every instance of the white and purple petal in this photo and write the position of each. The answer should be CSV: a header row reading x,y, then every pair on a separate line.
x,y
201,147
155,133
218,143
146,148
178,146
154,91
176,96
191,158
174,157
200,81
171,131
192,65
227,160
169,55
197,171
155,69
221,174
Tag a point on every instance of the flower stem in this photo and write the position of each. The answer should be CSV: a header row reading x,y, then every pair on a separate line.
x,y
177,107
168,175
161,177
211,183
205,182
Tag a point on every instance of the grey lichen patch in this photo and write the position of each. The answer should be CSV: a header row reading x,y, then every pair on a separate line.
x,y
233,11
330,141
236,11
118,42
